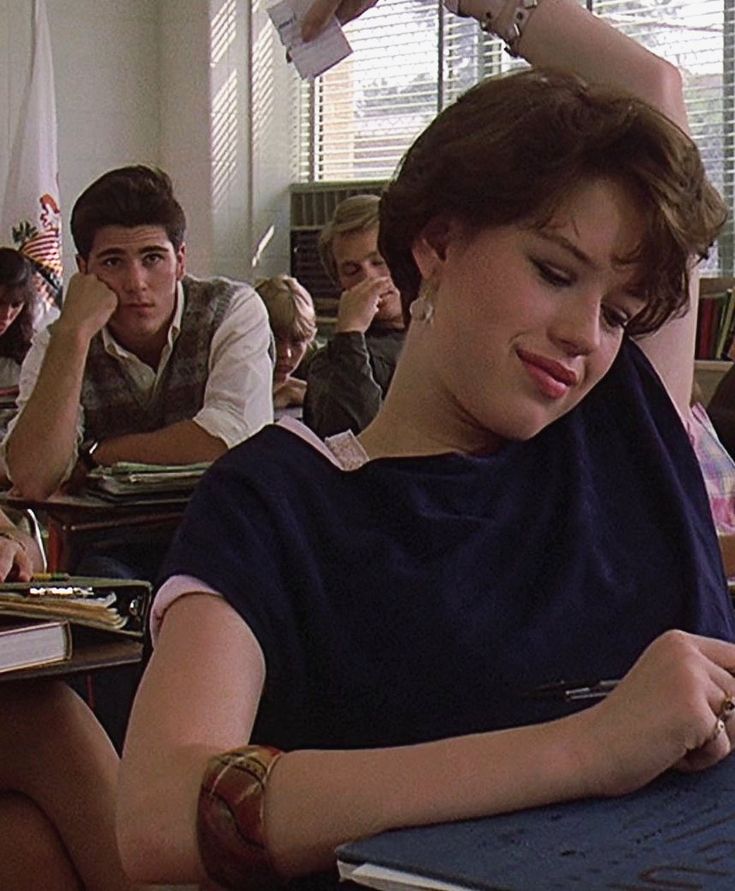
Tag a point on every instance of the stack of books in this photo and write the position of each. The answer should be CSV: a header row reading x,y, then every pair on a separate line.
x,y
126,480
45,621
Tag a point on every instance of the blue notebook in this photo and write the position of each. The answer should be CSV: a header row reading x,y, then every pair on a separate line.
x,y
677,833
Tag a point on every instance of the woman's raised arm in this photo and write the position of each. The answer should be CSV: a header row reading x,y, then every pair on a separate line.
x,y
562,34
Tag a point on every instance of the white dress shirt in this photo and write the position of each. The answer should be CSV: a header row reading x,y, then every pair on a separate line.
x,y
237,397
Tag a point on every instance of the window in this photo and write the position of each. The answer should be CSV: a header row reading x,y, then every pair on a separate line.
x,y
411,58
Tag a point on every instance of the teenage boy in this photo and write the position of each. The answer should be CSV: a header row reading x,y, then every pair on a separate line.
x,y
145,362
348,378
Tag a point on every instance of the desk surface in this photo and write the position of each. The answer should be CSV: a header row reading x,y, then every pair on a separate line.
x,y
69,518
87,503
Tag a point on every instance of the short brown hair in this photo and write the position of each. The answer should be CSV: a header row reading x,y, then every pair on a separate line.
x,y
355,214
512,148
128,196
290,308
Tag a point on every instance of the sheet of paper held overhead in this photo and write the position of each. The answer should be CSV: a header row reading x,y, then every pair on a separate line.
x,y
313,58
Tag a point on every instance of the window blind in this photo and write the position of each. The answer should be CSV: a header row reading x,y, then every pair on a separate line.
x,y
411,58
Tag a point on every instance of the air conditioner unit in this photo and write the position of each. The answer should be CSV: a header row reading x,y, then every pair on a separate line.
x,y
312,206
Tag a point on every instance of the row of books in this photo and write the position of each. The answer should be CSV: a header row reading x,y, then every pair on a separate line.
x,y
41,621
716,326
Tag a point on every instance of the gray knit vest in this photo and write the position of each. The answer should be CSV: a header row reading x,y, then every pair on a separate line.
x,y
113,406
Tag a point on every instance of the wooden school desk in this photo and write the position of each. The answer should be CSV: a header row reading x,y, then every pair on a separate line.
x,y
71,520
88,654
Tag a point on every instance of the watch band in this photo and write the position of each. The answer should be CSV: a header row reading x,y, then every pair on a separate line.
x,y
86,454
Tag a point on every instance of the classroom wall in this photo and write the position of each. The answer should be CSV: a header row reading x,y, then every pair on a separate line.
x,y
169,82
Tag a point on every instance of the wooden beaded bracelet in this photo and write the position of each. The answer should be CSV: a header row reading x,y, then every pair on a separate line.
x,y
230,831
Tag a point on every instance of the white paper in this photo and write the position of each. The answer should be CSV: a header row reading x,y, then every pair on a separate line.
x,y
313,58
384,879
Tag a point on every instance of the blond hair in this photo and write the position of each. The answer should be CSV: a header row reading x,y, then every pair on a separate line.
x,y
355,214
290,308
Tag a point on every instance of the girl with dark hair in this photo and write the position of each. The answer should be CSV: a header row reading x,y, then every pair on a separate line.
x,y
21,314
350,634
19,307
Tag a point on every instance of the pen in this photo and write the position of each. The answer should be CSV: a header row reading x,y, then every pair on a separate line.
x,y
573,692
50,576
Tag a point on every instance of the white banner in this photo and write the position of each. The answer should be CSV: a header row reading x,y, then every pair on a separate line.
x,y
31,214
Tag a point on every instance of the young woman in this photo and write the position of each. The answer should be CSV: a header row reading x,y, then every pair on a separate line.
x,y
20,314
293,323
525,508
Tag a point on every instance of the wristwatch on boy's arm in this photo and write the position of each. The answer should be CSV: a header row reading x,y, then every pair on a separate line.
x,y
86,453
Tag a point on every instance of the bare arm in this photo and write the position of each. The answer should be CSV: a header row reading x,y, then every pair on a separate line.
x,y
184,442
237,396
42,442
560,33
321,11
199,697
166,753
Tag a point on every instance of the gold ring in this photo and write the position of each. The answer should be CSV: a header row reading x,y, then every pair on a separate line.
x,y
727,709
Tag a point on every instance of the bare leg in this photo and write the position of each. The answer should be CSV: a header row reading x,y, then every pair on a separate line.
x,y
54,752
32,855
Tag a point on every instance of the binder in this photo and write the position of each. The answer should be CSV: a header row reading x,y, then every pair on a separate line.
x,y
677,832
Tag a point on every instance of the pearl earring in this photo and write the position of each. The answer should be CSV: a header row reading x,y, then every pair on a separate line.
x,y
421,310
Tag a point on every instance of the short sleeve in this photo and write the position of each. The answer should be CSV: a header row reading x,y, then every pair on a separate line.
x,y
230,539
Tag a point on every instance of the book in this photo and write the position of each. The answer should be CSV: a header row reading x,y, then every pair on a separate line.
x,y
677,832
126,479
725,333
26,644
115,605
715,322
90,651
708,318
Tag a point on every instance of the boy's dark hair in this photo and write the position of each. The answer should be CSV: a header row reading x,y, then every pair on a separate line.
x,y
16,284
513,148
128,196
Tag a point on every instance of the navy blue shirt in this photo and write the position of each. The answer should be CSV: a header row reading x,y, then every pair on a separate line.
x,y
418,598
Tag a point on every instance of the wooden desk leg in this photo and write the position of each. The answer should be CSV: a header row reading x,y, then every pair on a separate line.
x,y
59,546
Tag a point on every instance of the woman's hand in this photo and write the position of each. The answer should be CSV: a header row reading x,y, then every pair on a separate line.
x,y
15,563
669,711
321,11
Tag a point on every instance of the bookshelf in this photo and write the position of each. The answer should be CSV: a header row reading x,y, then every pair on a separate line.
x,y
715,318
708,373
